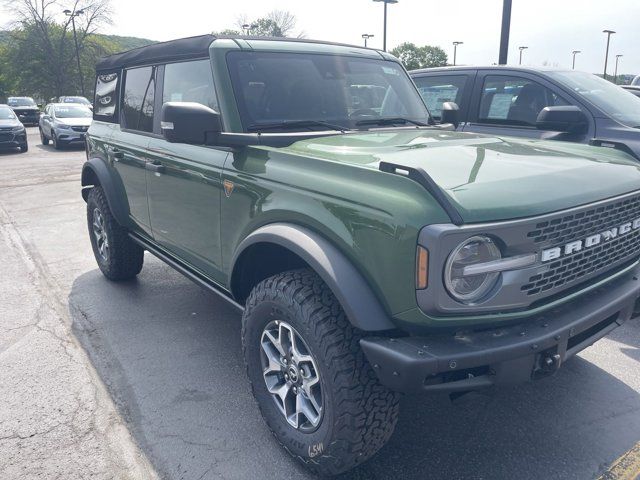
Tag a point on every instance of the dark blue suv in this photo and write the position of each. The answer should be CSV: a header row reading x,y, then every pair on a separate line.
x,y
526,102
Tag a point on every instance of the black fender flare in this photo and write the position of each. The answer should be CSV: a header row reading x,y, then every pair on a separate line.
x,y
362,307
95,168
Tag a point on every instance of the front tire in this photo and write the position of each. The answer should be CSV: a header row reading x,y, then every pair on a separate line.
x,y
118,257
56,143
293,326
24,148
43,138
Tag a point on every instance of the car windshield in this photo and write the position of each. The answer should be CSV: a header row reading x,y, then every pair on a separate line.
x,y
73,111
300,91
616,102
21,102
6,114
80,100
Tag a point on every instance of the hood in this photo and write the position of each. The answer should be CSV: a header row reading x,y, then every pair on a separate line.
x,y
25,108
75,122
490,178
12,122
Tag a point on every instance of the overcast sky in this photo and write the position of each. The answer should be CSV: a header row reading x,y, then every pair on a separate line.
x,y
550,28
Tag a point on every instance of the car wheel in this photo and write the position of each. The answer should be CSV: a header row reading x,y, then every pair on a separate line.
x,y
43,138
118,257
54,139
312,382
24,148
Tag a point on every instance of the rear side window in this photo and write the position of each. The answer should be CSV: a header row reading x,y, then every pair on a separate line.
x,y
105,100
138,98
189,82
438,89
514,101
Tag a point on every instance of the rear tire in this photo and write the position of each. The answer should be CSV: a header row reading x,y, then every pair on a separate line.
x,y
357,414
118,257
43,138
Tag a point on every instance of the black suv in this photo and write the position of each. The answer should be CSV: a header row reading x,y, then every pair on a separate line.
x,y
26,109
536,103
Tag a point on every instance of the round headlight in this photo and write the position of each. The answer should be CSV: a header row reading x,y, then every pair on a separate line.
x,y
471,288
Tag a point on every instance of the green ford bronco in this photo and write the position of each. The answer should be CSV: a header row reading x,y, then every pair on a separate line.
x,y
371,251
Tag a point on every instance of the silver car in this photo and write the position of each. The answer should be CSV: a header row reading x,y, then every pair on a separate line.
x,y
64,124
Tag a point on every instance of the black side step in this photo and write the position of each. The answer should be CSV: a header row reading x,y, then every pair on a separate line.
x,y
184,269
420,176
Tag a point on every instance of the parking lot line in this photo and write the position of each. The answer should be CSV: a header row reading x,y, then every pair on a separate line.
x,y
627,467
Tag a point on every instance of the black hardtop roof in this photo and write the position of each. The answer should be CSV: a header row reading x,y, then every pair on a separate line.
x,y
183,48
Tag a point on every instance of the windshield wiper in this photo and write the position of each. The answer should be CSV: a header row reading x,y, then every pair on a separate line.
x,y
289,124
390,121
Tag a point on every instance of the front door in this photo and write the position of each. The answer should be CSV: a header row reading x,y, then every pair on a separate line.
x,y
185,181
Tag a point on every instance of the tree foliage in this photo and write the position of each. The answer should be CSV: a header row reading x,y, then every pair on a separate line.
x,y
38,54
277,23
413,57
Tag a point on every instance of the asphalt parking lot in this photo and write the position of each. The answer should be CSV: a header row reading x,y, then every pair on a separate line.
x,y
145,378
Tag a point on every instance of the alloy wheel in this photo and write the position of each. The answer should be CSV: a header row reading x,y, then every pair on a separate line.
x,y
291,376
100,234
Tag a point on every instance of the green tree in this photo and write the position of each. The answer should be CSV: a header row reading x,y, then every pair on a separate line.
x,y
413,57
277,23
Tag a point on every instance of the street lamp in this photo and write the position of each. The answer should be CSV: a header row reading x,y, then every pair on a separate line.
x,y
573,65
521,50
384,38
606,57
615,74
366,37
246,28
455,51
73,15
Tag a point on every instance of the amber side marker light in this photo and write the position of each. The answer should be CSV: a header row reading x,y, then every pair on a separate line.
x,y
422,268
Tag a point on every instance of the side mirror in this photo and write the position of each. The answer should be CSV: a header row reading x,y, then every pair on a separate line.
x,y
566,118
189,122
450,113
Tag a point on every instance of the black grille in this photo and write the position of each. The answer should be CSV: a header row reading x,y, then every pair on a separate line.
x,y
79,129
598,259
5,137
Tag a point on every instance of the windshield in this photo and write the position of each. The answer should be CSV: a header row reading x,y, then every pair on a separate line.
x,y
616,102
73,111
6,114
21,102
81,100
284,91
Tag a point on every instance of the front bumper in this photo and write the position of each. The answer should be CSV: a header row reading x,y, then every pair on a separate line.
x,y
11,140
71,136
28,117
469,360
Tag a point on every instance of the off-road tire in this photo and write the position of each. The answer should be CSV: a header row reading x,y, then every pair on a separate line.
x,y
43,138
125,257
359,414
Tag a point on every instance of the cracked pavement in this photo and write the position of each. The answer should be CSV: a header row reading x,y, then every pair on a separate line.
x,y
145,379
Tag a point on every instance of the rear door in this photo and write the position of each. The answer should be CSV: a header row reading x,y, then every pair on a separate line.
x,y
439,87
184,181
127,149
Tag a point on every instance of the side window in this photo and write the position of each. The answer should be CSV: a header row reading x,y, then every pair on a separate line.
x,y
514,101
438,89
106,97
189,82
137,103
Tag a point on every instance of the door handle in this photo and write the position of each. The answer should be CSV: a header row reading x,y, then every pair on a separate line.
x,y
154,167
117,154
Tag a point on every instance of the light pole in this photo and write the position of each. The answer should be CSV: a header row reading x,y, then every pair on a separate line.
x,y
522,49
504,32
606,57
455,51
384,38
73,15
366,37
573,65
246,28
615,73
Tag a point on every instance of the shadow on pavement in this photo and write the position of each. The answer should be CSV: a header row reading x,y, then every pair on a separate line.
x,y
170,355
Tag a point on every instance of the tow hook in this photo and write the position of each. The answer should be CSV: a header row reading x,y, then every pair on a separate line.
x,y
548,364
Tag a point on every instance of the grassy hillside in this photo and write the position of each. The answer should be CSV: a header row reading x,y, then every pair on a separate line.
x,y
116,42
